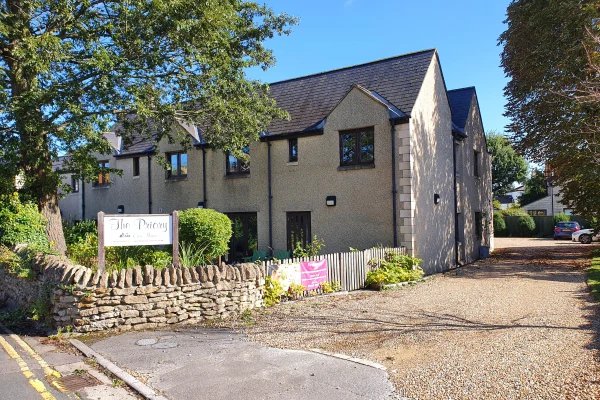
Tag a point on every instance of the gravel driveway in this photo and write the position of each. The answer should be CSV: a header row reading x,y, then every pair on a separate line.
x,y
520,325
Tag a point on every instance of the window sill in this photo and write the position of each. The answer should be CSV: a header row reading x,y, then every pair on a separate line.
x,y
135,177
176,178
100,186
292,163
353,167
237,176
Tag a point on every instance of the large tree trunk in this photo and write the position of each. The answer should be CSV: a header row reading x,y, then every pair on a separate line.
x,y
54,229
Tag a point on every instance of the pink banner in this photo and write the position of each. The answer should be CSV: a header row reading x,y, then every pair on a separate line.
x,y
313,273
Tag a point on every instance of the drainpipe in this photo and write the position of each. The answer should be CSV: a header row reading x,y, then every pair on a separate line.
x,y
394,185
204,177
149,184
82,199
456,234
270,195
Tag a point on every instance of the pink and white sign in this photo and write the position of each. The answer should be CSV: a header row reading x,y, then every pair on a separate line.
x,y
313,273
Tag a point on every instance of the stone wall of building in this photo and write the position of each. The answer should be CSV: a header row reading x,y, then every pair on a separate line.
x,y
138,298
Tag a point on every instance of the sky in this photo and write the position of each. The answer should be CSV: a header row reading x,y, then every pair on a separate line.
x,y
338,33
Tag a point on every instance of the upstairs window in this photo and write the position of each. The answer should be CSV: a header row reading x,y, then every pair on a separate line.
x,y
476,156
103,178
74,184
178,165
293,150
237,167
136,166
357,147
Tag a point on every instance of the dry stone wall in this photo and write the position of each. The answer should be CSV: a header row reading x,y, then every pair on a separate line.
x,y
145,297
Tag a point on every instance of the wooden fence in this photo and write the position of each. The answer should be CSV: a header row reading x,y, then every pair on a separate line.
x,y
349,269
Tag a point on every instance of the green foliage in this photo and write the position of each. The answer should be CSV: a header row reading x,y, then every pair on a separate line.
x,y
496,204
561,217
207,228
593,275
192,256
514,211
535,188
296,290
77,232
525,226
330,287
499,224
394,268
273,292
507,166
310,250
22,223
550,56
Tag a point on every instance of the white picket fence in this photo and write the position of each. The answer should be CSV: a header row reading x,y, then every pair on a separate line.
x,y
349,269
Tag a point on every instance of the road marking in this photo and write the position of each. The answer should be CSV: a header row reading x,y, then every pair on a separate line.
x,y
35,383
49,372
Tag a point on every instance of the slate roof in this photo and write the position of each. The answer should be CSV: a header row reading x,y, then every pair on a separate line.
x,y
460,105
311,98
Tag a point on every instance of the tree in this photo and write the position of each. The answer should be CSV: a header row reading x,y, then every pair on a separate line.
x,y
507,166
551,57
71,69
535,187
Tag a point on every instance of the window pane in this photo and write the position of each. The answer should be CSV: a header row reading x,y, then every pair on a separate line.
x,y
348,155
174,164
184,164
232,163
367,148
293,145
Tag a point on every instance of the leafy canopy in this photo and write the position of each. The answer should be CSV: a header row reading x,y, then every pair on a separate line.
x,y
551,58
507,166
71,69
535,187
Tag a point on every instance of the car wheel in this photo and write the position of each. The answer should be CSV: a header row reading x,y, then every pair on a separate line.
x,y
585,239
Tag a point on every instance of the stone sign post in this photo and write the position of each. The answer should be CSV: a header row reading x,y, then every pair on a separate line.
x,y
137,230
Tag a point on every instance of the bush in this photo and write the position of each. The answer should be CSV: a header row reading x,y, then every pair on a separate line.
x,y
310,250
499,224
514,211
207,229
561,217
525,226
273,292
395,268
77,232
22,223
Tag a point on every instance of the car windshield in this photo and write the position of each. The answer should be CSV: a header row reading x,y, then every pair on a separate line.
x,y
567,224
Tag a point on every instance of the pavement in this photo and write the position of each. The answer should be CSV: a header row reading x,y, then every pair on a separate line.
x,y
34,368
195,363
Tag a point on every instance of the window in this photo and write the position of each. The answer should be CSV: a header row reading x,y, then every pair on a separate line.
x,y
237,167
74,184
136,166
568,211
178,165
357,147
478,225
537,213
293,149
298,229
475,163
103,178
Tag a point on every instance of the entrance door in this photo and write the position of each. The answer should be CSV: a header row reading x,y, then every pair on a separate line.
x,y
298,228
244,239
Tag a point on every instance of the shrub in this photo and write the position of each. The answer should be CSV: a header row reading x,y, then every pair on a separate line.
x,y
22,223
77,232
525,226
499,224
207,228
394,268
330,287
191,256
561,217
273,292
310,250
514,211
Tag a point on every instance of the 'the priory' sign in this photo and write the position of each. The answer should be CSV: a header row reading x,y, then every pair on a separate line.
x,y
137,230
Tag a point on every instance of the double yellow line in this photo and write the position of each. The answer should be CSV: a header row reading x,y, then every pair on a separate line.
x,y
50,373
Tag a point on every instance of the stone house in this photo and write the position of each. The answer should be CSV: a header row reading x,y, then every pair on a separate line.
x,y
374,154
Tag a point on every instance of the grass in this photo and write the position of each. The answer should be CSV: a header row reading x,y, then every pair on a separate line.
x,y
593,275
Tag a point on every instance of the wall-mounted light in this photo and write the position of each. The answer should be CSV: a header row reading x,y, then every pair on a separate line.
x,y
436,198
330,201
200,204
121,209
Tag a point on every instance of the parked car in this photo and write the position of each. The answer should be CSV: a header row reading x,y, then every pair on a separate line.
x,y
585,236
564,230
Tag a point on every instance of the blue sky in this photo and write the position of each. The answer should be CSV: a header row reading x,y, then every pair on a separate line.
x,y
338,33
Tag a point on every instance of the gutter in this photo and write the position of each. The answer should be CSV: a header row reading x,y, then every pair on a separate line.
x,y
270,194
204,177
394,185
456,235
149,184
82,199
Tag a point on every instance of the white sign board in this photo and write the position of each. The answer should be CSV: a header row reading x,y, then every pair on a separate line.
x,y
138,230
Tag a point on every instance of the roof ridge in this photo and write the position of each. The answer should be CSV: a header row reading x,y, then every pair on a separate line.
x,y
354,66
